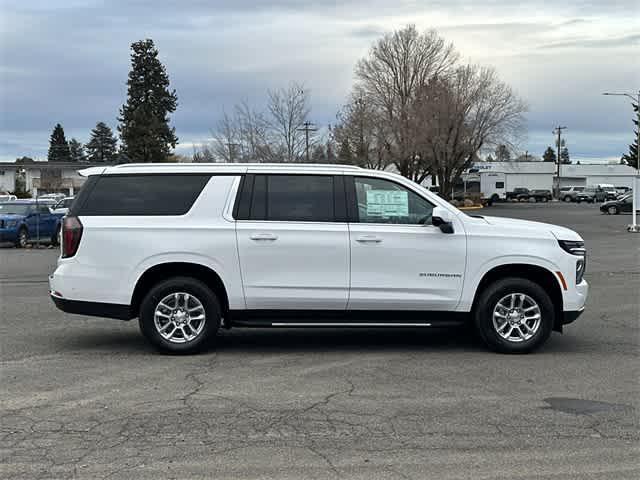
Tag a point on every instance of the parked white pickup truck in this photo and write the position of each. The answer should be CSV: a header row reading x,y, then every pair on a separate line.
x,y
190,248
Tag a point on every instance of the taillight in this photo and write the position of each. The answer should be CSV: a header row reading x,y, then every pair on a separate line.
x,y
71,235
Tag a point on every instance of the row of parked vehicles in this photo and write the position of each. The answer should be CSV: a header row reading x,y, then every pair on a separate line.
x,y
39,220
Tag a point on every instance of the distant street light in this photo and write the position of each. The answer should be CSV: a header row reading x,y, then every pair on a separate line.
x,y
634,227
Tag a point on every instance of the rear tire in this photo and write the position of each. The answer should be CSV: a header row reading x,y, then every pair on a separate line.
x,y
180,315
23,238
514,329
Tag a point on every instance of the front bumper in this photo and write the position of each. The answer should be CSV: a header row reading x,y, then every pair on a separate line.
x,y
571,316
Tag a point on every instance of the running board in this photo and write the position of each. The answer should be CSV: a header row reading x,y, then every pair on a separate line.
x,y
343,319
347,324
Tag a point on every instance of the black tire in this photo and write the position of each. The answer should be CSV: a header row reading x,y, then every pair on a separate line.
x,y
544,199
23,238
55,240
567,198
613,210
491,296
195,288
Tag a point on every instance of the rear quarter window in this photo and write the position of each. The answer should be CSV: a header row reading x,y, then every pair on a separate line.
x,y
118,195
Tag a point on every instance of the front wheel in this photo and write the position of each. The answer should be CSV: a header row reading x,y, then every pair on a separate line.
x,y
514,315
567,198
612,210
179,315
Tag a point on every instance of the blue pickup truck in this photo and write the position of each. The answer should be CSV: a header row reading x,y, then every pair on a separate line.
x,y
22,221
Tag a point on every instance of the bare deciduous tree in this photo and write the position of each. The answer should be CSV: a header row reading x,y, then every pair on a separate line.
x,y
460,114
288,110
249,135
398,66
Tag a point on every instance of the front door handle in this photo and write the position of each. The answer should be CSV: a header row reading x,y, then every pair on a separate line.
x,y
263,237
368,239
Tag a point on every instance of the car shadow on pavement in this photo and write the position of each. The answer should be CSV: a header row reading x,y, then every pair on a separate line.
x,y
258,340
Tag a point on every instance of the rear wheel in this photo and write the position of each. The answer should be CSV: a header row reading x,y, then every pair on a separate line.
x,y
180,315
514,315
544,199
23,238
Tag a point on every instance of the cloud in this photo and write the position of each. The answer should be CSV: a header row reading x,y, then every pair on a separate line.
x,y
624,41
67,60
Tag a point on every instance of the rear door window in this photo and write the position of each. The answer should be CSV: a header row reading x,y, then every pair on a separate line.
x,y
147,194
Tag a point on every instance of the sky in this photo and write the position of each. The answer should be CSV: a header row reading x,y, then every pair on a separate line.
x,y
67,60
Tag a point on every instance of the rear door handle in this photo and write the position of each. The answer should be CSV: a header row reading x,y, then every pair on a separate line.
x,y
263,237
368,239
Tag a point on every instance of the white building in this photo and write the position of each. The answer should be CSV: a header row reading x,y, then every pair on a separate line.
x,y
594,174
44,177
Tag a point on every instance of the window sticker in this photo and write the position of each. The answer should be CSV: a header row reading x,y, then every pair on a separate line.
x,y
387,203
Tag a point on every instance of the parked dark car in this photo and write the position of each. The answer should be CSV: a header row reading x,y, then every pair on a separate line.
x,y
614,207
25,220
540,195
591,195
519,193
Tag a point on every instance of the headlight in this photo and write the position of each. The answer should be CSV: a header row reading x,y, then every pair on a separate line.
x,y
576,248
11,224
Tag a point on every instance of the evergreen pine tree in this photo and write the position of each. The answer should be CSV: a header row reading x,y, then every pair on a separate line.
x,y
102,145
76,151
58,146
631,158
549,155
144,119
564,155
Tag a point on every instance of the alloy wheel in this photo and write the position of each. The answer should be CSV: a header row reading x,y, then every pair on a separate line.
x,y
179,317
517,317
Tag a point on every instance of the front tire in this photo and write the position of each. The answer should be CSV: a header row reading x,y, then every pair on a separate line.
x,y
514,315
179,315
567,198
612,210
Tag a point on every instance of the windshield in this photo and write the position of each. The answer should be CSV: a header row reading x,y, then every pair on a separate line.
x,y
14,209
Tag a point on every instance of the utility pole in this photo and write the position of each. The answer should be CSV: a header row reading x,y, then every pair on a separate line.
x,y
306,128
634,227
558,131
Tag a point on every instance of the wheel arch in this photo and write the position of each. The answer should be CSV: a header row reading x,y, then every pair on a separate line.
x,y
545,278
161,271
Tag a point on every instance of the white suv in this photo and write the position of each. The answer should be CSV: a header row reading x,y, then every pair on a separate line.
x,y
190,248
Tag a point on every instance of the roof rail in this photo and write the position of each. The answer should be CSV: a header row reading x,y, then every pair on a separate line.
x,y
236,165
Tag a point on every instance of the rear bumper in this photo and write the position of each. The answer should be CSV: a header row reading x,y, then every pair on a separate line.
x,y
93,309
8,235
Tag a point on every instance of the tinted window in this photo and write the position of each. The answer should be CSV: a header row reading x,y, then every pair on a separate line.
x,y
294,198
383,201
140,195
499,184
14,209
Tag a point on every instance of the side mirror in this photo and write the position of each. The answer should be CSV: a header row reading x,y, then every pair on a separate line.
x,y
442,218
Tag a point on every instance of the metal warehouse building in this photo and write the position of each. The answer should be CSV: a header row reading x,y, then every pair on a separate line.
x,y
540,175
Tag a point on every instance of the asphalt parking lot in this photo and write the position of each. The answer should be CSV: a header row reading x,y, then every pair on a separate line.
x,y
88,398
